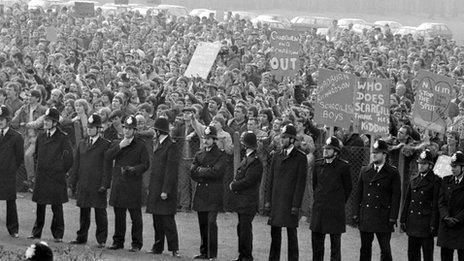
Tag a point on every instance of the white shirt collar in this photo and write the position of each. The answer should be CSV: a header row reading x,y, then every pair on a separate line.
x,y
5,130
94,139
249,153
379,167
289,150
51,132
459,179
162,139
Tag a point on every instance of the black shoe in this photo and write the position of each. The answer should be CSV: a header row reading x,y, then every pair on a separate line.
x,y
33,237
77,242
115,247
155,252
134,249
175,253
200,256
14,235
101,245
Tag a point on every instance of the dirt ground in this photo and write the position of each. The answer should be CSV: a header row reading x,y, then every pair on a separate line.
x,y
188,234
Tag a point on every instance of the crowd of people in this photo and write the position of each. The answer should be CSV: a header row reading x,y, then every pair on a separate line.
x,y
107,101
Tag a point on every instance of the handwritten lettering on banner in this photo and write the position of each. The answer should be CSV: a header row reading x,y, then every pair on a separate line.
x,y
334,98
442,167
432,100
372,106
203,59
285,46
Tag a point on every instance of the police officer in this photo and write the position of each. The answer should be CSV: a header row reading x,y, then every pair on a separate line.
x,y
451,207
130,162
245,198
208,170
377,202
54,159
288,181
419,218
89,178
332,187
12,156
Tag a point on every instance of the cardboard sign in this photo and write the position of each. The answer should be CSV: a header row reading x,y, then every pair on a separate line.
x,y
334,99
372,106
284,60
432,100
84,9
202,60
121,2
52,33
442,167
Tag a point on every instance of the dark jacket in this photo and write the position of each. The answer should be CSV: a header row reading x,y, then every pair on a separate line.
x,y
451,204
164,179
207,170
332,187
378,198
54,159
90,172
126,190
245,186
287,183
420,209
11,157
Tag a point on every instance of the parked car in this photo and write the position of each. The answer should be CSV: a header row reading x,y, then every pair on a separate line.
x,y
432,30
272,18
394,26
202,12
360,28
306,23
345,22
405,30
175,10
244,15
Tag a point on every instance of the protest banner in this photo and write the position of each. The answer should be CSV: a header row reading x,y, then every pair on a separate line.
x,y
203,59
285,46
432,100
84,9
442,167
334,99
121,2
371,106
52,33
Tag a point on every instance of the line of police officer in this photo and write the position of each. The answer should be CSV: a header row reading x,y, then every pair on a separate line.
x,y
431,206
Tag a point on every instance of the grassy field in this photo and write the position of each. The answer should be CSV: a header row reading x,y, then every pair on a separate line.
x,y
188,234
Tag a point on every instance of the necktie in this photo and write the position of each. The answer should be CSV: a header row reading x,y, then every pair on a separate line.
x,y
48,134
376,169
457,181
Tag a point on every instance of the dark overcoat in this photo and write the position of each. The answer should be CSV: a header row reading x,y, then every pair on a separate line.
x,y
451,204
90,172
245,186
207,170
420,209
287,182
378,198
126,190
332,187
54,158
164,179
11,157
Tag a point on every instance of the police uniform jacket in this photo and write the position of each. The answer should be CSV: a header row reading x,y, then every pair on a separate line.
x,y
332,187
90,172
54,159
288,183
11,157
378,198
163,178
420,209
451,204
207,170
245,186
126,190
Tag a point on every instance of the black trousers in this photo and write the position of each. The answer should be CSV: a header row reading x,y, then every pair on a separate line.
x,y
415,244
101,219
447,254
245,236
120,226
57,226
317,242
165,227
384,243
276,242
12,217
208,233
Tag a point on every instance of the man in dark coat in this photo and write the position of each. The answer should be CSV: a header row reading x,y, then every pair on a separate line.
x,y
89,178
208,171
332,187
287,182
420,217
245,197
12,156
162,196
451,207
54,158
130,162
377,202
